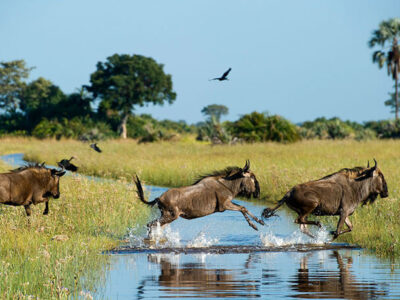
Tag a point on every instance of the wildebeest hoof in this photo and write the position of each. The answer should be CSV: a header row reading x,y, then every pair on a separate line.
x,y
335,235
45,213
254,227
261,222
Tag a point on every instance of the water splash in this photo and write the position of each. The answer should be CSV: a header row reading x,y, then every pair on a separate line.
x,y
201,240
159,237
297,237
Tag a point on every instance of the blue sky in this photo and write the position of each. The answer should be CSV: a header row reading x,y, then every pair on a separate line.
x,y
298,59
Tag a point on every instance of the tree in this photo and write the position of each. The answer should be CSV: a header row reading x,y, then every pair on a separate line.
x,y
42,99
258,127
12,75
389,31
215,110
392,101
125,81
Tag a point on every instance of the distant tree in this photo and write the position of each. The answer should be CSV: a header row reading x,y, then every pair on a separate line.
x,y
12,76
42,99
391,102
258,127
389,31
215,110
125,81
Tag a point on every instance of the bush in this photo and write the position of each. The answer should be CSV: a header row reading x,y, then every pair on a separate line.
x,y
78,128
258,127
385,129
322,128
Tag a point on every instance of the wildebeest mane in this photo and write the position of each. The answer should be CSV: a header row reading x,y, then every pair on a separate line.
x,y
349,172
29,166
228,171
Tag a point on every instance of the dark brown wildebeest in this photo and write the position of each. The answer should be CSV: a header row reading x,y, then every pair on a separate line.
x,y
31,184
337,194
209,194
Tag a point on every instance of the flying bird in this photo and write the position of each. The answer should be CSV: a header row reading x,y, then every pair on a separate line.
x,y
95,147
224,76
67,165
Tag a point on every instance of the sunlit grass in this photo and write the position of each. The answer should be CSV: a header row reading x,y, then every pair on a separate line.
x,y
60,255
95,216
277,166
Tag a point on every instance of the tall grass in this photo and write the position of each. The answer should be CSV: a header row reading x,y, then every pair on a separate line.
x,y
60,255
277,166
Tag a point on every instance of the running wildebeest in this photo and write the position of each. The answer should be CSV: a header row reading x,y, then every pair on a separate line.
x,y
31,184
337,194
95,147
209,194
67,165
224,76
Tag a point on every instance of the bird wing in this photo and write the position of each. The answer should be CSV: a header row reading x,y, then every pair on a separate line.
x,y
226,73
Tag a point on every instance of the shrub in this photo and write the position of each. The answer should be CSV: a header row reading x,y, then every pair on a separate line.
x,y
258,127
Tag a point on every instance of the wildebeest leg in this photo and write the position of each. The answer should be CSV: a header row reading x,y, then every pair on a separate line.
x,y
339,231
304,229
28,210
166,218
342,220
231,206
46,210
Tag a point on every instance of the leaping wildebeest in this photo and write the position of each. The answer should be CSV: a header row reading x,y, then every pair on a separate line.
x,y
209,194
31,184
337,194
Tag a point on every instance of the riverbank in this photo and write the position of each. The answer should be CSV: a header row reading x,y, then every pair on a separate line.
x,y
60,255
277,166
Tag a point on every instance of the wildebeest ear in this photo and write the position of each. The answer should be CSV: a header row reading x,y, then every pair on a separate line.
x,y
57,173
60,173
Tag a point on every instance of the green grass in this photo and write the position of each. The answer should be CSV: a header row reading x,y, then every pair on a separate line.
x,y
94,216
277,166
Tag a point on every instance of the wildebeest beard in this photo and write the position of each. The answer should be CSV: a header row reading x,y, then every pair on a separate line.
x,y
371,199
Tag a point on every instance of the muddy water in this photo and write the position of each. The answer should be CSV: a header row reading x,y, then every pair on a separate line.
x,y
221,256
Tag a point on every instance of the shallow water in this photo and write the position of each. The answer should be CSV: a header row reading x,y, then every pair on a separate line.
x,y
257,268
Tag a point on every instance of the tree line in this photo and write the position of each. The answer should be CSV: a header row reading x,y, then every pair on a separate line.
x,y
105,107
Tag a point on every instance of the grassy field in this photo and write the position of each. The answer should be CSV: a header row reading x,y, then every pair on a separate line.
x,y
59,256
95,216
277,166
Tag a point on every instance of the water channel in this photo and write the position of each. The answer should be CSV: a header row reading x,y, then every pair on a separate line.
x,y
221,256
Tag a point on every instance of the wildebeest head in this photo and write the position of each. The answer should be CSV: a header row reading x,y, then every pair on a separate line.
x,y
53,185
378,182
249,185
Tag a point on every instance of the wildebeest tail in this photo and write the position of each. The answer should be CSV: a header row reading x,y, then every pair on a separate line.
x,y
269,212
140,193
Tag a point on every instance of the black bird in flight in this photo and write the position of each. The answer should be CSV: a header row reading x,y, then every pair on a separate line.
x,y
95,147
67,165
224,76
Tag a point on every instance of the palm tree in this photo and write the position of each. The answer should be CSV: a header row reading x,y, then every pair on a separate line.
x,y
389,31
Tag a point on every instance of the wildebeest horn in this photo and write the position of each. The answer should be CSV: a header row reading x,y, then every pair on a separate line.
x,y
368,164
246,166
376,164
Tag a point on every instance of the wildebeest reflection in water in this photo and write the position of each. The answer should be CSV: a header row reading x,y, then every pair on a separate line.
x,y
330,284
196,279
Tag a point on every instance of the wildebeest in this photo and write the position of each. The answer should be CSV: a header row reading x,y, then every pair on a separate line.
x,y
336,194
31,184
209,194
67,165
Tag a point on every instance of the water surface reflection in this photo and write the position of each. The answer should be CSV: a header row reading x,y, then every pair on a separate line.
x,y
329,274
